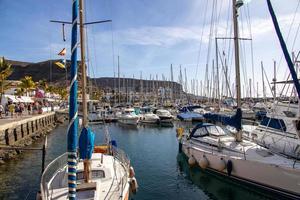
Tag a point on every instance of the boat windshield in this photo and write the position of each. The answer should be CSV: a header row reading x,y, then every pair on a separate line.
x,y
201,132
215,131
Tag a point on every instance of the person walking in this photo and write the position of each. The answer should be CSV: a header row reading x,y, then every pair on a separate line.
x,y
1,110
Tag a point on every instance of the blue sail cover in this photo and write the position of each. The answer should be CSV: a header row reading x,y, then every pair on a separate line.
x,y
86,143
234,121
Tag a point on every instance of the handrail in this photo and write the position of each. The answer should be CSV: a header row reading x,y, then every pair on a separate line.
x,y
52,168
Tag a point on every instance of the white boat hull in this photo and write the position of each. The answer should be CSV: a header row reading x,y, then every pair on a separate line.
x,y
276,178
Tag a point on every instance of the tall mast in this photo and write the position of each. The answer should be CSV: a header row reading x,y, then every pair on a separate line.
x,y
235,6
236,53
83,67
73,122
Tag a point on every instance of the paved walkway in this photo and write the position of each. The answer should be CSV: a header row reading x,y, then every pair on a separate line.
x,y
9,119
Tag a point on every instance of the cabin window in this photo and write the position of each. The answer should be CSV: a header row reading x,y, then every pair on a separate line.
x,y
289,114
201,132
215,130
274,123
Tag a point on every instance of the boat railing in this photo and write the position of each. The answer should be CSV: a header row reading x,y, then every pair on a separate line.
x,y
53,168
120,155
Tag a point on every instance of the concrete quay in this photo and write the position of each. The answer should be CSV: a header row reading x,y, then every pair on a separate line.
x,y
20,132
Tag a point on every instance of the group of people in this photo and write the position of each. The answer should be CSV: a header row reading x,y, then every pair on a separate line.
x,y
19,109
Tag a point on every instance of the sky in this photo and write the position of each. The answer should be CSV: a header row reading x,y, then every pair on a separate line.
x,y
149,36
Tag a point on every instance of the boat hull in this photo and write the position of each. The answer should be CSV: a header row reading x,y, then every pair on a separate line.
x,y
284,181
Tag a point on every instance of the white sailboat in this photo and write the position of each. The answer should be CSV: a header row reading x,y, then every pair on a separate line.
x,y
278,131
211,148
101,172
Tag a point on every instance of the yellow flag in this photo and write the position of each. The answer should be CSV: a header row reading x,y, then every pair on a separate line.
x,y
60,65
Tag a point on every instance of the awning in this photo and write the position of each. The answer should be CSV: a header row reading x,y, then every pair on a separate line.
x,y
11,98
25,99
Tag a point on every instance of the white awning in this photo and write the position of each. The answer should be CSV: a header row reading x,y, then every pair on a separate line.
x,y
11,98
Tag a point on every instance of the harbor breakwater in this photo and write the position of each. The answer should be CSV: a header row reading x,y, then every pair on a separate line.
x,y
24,132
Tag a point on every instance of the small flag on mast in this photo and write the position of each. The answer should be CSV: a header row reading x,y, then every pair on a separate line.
x,y
61,64
62,52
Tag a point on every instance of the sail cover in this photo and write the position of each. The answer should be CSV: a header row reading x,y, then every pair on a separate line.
x,y
234,121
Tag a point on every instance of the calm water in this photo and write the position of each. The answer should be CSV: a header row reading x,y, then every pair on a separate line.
x,y
161,172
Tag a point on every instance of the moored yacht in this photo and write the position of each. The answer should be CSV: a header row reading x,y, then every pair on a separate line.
x,y
149,118
164,115
213,149
128,116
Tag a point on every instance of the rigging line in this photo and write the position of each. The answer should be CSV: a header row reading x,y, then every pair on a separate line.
x,y
210,32
226,32
251,47
296,36
200,46
287,38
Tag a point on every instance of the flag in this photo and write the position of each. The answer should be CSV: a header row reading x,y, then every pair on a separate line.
x,y
60,65
62,52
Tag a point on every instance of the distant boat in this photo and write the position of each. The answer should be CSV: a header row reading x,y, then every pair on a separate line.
x,y
128,117
149,118
164,115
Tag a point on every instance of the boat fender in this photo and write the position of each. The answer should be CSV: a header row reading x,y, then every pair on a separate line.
x,y
229,167
203,162
221,165
38,196
133,185
131,172
192,161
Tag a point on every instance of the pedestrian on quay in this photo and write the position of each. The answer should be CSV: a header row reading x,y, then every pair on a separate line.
x,y
11,109
6,109
29,107
1,110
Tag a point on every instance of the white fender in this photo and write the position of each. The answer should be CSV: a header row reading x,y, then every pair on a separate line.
x,y
221,164
204,162
192,161
131,172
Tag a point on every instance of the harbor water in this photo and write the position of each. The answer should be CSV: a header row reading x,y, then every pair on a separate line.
x,y
162,172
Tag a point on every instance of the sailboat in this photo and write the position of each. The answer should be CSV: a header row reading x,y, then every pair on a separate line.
x,y
100,172
213,149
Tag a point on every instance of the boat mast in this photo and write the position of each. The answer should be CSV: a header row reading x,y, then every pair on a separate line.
x,y
235,6
73,122
236,53
83,67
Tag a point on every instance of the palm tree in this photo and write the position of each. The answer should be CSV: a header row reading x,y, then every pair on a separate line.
x,y
63,93
27,84
42,84
5,72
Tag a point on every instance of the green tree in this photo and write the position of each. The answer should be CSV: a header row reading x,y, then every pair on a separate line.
x,y
27,84
62,92
5,72
42,84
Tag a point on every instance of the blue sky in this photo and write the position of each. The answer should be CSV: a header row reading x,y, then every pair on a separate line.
x,y
150,35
